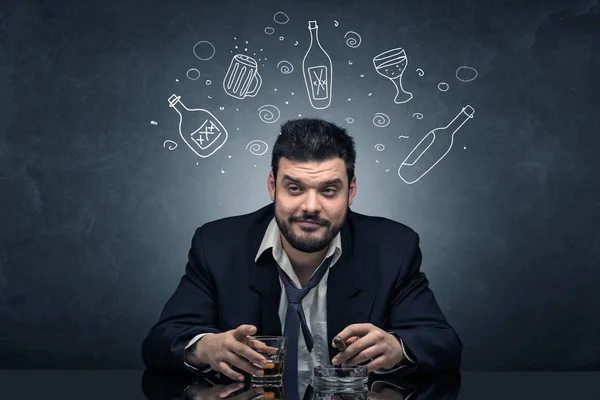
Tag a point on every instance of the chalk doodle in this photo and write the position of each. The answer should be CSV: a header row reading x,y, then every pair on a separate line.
x,y
391,64
286,68
202,48
354,40
443,86
379,147
432,148
317,70
381,120
280,14
350,120
257,147
193,74
154,122
172,144
335,23
269,30
242,73
402,137
208,82
418,115
420,72
464,71
269,113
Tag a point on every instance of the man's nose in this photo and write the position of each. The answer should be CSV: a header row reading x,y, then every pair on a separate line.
x,y
311,202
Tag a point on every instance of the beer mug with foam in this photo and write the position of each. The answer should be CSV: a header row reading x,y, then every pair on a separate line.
x,y
242,78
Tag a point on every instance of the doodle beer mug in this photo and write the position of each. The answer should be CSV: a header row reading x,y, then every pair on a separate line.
x,y
242,73
199,129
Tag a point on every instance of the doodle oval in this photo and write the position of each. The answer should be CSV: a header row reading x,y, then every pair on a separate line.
x,y
281,18
466,74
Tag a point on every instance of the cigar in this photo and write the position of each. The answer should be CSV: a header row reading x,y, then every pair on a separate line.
x,y
339,343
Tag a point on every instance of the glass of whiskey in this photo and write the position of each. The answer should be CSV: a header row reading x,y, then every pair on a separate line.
x,y
273,348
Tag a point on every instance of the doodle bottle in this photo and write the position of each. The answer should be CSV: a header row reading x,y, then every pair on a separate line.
x,y
317,70
199,129
432,148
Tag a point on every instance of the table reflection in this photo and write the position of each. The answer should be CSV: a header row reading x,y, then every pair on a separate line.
x,y
422,387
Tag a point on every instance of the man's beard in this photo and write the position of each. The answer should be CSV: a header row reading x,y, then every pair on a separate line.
x,y
308,243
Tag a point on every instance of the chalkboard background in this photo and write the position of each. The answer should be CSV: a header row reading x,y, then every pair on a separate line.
x,y
97,212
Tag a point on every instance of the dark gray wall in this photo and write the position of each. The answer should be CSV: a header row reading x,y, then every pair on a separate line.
x,y
96,213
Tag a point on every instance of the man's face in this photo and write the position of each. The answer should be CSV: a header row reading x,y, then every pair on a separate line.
x,y
311,199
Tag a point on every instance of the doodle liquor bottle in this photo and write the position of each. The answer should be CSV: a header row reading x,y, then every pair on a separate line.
x,y
199,128
432,148
318,71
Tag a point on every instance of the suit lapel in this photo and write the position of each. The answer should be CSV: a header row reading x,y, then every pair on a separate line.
x,y
349,299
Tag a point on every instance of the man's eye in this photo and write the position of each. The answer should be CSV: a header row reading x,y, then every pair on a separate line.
x,y
330,191
293,188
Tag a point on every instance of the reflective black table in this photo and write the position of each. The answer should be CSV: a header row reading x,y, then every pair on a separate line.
x,y
466,385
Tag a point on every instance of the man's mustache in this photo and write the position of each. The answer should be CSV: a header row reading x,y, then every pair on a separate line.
x,y
310,218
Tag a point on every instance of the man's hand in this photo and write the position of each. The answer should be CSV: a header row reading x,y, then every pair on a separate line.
x,y
222,351
366,342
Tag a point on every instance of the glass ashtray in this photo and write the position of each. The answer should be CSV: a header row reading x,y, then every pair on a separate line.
x,y
350,376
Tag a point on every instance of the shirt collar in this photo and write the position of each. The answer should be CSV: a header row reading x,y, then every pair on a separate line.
x,y
272,240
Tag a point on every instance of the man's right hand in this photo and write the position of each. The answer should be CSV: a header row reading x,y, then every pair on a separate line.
x,y
222,351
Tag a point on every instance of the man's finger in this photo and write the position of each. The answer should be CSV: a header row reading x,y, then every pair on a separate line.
x,y
226,370
377,363
367,354
355,348
261,346
242,331
245,351
244,365
355,330
227,390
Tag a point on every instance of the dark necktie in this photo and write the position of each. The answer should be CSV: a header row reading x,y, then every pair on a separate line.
x,y
295,319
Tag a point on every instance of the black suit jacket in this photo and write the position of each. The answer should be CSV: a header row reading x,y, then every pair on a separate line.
x,y
376,280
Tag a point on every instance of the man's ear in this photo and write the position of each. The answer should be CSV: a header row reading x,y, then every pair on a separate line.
x,y
352,191
271,185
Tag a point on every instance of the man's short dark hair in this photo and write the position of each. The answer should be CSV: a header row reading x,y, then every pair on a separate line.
x,y
312,139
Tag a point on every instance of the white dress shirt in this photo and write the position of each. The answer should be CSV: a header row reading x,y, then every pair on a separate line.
x,y
314,305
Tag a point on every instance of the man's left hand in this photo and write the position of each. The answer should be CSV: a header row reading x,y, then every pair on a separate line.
x,y
381,349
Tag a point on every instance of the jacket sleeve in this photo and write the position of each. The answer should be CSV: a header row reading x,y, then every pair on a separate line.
x,y
191,310
417,319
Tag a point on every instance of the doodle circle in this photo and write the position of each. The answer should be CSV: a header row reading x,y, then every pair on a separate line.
x,y
269,30
349,120
443,86
193,74
286,68
269,113
280,14
420,72
202,49
381,120
208,82
379,147
466,70
172,144
354,40
280,38
418,115
257,147
335,23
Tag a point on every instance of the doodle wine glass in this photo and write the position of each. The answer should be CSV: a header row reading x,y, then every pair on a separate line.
x,y
391,64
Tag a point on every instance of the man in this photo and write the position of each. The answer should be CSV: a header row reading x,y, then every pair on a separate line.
x,y
351,275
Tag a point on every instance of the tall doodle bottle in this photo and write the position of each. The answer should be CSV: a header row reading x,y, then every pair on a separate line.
x,y
199,128
318,71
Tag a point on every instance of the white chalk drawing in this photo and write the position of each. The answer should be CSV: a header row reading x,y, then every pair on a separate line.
x,y
199,128
209,96
318,71
443,87
269,30
335,23
387,170
296,44
432,148
379,147
392,64
381,120
362,75
257,147
241,75
286,67
463,70
280,38
154,122
269,113
350,120
418,115
208,82
420,72
402,137
354,40
202,48
278,18
172,144
221,108
193,74
349,62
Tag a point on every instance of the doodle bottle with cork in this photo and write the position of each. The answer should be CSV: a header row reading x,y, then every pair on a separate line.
x,y
432,148
199,128
317,70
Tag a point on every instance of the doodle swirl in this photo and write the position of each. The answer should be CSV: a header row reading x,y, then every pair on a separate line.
x,y
286,67
172,144
257,147
381,120
349,120
354,40
418,115
269,113
379,147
